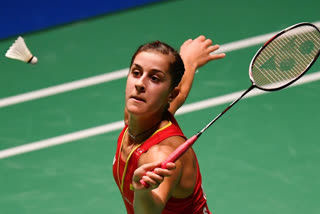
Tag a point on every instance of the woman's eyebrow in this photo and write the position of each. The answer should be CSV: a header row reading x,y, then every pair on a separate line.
x,y
136,65
153,70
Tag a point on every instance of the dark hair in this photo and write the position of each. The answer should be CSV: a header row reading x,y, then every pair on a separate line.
x,y
176,69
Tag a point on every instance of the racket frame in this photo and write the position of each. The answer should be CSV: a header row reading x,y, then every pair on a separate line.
x,y
267,43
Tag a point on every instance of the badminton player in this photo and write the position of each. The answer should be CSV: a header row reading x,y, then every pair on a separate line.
x,y
158,83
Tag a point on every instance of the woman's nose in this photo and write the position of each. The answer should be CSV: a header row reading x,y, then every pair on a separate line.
x,y
140,85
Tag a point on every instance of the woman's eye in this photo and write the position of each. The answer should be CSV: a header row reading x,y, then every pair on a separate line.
x,y
135,73
155,79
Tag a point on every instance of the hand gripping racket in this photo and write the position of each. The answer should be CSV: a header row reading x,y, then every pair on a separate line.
x,y
278,63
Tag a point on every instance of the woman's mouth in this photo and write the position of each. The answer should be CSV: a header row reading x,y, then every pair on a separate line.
x,y
137,98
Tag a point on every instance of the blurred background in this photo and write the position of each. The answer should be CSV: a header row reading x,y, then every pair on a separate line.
x,y
60,118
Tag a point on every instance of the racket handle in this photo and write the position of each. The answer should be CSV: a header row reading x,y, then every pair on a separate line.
x,y
144,183
175,155
179,151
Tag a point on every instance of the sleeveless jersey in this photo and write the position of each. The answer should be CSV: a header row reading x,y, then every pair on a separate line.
x,y
123,172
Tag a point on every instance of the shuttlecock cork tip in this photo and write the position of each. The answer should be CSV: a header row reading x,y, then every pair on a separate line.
x,y
33,60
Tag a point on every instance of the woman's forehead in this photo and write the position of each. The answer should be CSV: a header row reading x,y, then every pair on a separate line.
x,y
153,60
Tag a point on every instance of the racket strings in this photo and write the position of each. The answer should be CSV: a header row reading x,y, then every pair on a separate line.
x,y
286,57
282,61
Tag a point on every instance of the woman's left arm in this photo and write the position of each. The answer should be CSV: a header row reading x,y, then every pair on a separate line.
x,y
194,53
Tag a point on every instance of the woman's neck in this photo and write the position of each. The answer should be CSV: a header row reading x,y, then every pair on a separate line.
x,y
141,128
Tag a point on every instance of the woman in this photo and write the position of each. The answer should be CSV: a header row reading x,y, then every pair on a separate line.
x,y
158,83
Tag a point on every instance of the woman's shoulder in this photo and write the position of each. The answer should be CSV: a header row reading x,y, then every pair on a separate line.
x,y
163,149
170,143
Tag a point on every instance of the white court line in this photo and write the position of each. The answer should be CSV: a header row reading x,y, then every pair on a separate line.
x,y
119,74
119,124
63,88
231,97
252,41
61,139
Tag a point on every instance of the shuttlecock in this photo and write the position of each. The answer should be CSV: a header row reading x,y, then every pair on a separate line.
x,y
20,51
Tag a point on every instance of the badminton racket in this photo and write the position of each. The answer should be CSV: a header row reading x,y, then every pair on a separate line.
x,y
277,64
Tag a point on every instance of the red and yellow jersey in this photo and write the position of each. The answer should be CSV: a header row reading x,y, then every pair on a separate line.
x,y
123,172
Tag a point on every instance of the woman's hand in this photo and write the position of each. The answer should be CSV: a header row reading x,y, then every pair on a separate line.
x,y
197,52
152,174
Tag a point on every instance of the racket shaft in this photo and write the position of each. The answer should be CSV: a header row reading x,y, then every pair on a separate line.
x,y
227,109
186,145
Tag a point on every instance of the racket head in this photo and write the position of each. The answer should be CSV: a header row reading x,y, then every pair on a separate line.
x,y
285,57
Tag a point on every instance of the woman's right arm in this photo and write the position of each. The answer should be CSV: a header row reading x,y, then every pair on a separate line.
x,y
162,182
152,199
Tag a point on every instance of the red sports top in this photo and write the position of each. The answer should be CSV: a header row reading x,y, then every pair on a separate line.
x,y
123,172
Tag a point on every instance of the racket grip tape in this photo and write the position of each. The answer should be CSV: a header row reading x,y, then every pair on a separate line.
x,y
175,155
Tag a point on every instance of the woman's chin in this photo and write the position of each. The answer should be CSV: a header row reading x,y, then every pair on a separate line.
x,y
135,110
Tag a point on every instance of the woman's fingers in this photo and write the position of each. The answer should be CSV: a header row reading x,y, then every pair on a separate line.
x,y
152,174
156,177
207,43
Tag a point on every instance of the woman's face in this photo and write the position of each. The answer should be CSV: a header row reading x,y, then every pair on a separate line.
x,y
148,88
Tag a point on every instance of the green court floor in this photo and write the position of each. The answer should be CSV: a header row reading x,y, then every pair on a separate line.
x,y
262,157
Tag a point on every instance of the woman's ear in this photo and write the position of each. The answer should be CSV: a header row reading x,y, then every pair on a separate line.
x,y
174,94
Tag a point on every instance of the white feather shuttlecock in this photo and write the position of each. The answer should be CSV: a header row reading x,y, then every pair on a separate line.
x,y
20,51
